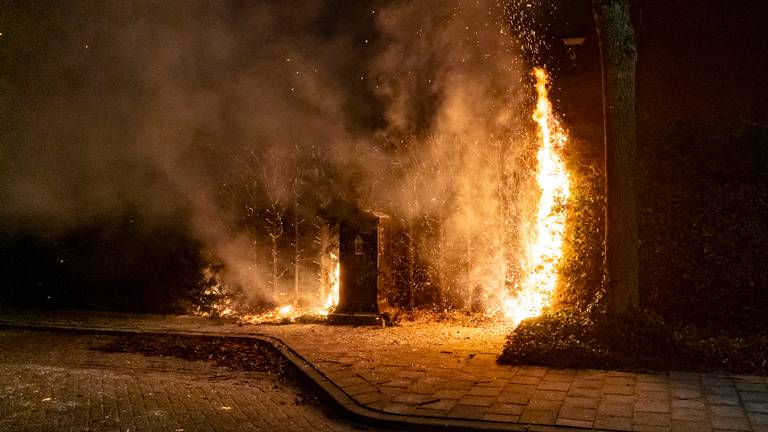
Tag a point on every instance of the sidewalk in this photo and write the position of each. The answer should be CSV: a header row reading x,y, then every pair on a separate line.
x,y
438,375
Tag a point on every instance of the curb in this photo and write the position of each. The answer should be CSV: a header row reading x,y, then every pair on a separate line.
x,y
312,375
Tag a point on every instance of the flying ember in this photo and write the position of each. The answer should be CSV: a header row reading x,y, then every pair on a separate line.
x,y
544,248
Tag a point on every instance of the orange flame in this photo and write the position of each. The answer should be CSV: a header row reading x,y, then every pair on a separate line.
x,y
544,250
333,293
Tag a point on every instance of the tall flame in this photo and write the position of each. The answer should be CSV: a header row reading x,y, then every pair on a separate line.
x,y
333,292
545,246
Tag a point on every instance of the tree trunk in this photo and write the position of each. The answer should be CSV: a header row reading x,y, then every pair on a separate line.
x,y
618,57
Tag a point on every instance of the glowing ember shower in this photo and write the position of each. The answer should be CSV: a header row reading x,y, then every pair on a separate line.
x,y
545,247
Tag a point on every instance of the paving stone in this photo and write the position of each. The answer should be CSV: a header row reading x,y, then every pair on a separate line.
x,y
501,418
533,371
614,423
391,391
549,395
398,382
715,381
652,378
91,390
481,401
624,374
756,407
728,390
754,396
502,374
574,423
752,387
619,389
398,408
649,428
590,374
652,419
449,394
442,404
758,419
685,392
730,423
620,381
493,382
689,426
358,389
652,405
409,360
750,379
467,412
615,409
583,383
459,385
584,392
515,398
553,377
652,387
689,414
419,411
684,376
519,388
350,381
534,416
546,405
575,413
580,402
410,374
614,398
422,389
506,409
688,403
374,396
411,398
727,411
484,391
554,385
523,379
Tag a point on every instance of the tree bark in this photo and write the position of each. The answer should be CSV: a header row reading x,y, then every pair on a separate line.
x,y
618,58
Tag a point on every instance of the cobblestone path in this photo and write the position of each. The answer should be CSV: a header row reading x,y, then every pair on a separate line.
x,y
57,382
443,371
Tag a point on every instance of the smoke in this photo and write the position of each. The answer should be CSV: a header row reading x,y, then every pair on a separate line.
x,y
214,112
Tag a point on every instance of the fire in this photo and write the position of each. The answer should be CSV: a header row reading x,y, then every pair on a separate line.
x,y
546,244
333,293
285,310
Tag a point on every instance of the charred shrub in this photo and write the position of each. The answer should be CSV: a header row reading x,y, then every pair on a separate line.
x,y
559,339
641,340
572,338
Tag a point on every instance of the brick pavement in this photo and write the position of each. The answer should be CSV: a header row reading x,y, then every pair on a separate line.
x,y
57,382
439,371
